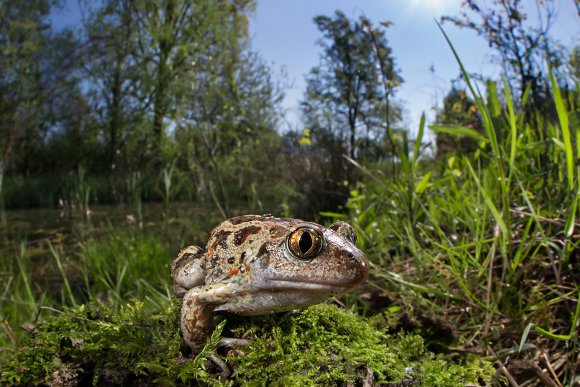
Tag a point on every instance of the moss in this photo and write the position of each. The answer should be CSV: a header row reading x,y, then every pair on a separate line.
x,y
321,345
95,344
327,345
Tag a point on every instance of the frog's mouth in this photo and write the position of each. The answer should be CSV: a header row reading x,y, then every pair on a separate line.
x,y
279,284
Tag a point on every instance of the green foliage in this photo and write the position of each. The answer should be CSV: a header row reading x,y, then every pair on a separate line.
x,y
143,89
489,241
125,265
522,46
458,119
23,27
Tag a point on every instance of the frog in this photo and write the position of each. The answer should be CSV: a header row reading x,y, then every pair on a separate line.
x,y
260,264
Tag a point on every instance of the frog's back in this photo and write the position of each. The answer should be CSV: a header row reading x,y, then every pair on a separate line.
x,y
238,242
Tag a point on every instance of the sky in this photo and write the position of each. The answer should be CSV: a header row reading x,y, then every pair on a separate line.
x,y
285,35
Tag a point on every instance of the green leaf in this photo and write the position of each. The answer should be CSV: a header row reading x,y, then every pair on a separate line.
x,y
569,229
525,336
489,202
563,118
419,138
459,131
424,183
493,102
559,144
512,121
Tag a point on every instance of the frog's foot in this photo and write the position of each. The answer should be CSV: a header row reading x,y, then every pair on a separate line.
x,y
226,371
197,317
218,361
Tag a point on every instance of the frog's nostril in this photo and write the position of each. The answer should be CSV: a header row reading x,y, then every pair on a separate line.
x,y
350,255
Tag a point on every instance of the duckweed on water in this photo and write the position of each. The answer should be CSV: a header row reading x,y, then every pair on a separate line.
x,y
321,345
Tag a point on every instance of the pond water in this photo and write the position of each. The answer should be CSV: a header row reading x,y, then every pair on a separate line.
x,y
34,229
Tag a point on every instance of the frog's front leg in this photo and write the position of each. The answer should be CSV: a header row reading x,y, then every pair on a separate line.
x,y
197,317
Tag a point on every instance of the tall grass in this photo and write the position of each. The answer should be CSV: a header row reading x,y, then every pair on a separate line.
x,y
487,241
126,265
111,269
2,205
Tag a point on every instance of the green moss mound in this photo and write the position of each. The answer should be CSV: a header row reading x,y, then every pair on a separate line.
x,y
328,345
321,345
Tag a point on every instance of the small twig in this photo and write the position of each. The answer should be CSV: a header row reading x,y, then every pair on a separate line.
x,y
364,170
556,267
549,365
8,330
503,369
543,376
474,351
528,382
6,288
542,218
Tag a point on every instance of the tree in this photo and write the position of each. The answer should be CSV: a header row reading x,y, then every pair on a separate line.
x,y
458,109
173,35
522,47
110,66
354,81
347,107
23,31
65,122
227,135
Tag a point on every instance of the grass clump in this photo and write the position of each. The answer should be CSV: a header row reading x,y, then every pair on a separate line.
x,y
322,345
109,269
487,241
125,265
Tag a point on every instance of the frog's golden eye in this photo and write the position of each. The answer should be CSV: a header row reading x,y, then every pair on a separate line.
x,y
304,242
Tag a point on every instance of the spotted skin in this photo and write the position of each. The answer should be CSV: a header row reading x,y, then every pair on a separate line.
x,y
250,269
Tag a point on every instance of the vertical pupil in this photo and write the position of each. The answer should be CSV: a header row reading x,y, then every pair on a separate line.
x,y
305,242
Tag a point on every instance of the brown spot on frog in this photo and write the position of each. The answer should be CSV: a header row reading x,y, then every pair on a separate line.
x,y
284,264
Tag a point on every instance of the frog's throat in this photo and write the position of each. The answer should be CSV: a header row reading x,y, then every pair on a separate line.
x,y
278,284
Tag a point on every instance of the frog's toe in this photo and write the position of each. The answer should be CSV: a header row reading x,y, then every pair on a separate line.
x,y
229,341
226,372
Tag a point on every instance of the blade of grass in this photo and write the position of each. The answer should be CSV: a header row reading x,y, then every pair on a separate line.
x,y
492,136
551,335
67,287
563,118
459,131
489,202
488,123
24,275
419,139
512,122
423,289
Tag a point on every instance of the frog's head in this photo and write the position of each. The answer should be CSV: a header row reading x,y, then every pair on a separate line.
x,y
307,256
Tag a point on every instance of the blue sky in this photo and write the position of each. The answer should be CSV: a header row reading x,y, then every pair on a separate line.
x,y
283,32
